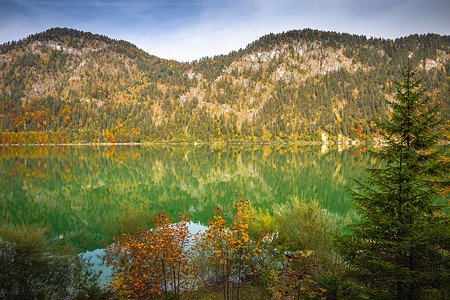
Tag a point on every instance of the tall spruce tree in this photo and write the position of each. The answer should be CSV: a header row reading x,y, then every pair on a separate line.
x,y
400,248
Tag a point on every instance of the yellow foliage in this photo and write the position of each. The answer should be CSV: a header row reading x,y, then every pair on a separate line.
x,y
146,263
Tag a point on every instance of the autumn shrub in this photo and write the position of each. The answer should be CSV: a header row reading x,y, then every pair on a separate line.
x,y
258,255
296,276
263,254
226,252
152,262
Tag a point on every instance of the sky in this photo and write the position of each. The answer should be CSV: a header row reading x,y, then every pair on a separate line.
x,y
186,30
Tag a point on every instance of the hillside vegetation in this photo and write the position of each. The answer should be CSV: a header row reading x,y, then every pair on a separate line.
x,y
65,85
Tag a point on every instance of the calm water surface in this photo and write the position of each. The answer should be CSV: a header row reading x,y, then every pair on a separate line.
x,y
75,191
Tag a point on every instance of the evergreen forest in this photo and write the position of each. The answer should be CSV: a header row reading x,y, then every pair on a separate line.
x,y
69,86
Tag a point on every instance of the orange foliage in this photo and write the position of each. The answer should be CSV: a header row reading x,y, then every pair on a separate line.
x,y
33,137
230,246
298,277
152,262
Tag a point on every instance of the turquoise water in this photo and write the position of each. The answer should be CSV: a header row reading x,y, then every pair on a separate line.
x,y
77,192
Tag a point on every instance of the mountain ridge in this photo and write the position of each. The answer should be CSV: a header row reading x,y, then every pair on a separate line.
x,y
65,85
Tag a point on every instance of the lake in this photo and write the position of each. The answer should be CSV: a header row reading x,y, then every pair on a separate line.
x,y
76,191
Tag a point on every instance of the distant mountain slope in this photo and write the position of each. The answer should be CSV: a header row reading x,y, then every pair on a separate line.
x,y
65,85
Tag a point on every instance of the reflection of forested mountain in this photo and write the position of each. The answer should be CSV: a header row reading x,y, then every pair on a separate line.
x,y
74,190
64,85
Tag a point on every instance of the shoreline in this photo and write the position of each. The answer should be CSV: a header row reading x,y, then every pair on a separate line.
x,y
350,143
303,143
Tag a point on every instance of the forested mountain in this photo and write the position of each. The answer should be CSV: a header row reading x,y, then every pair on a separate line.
x,y
65,85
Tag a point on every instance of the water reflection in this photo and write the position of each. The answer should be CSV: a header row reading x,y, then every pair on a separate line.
x,y
75,191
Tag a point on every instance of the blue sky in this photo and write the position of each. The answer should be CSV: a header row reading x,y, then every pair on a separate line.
x,y
185,30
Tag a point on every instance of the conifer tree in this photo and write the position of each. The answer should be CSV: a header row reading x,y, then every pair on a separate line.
x,y
400,248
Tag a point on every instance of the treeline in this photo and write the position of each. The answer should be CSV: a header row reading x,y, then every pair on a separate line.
x,y
81,87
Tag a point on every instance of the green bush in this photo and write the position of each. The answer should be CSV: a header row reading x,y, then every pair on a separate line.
x,y
300,225
34,268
